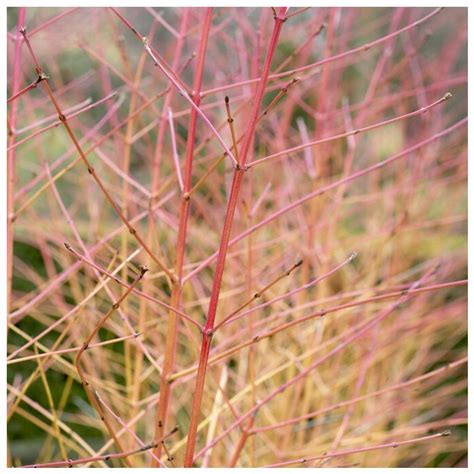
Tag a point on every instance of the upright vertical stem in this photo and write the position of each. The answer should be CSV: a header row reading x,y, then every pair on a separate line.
x,y
172,331
155,180
125,203
225,237
11,153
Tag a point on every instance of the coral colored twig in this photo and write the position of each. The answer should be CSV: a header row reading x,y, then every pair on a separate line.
x,y
346,452
329,187
104,457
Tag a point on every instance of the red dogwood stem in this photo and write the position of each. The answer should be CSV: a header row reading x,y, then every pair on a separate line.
x,y
224,243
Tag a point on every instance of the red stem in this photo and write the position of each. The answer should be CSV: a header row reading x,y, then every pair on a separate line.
x,y
33,85
172,331
11,155
224,244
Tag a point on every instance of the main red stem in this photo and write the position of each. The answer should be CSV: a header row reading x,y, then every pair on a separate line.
x,y
170,352
224,244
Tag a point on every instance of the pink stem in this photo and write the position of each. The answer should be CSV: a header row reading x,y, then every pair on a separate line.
x,y
364,47
345,452
327,188
11,154
352,132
